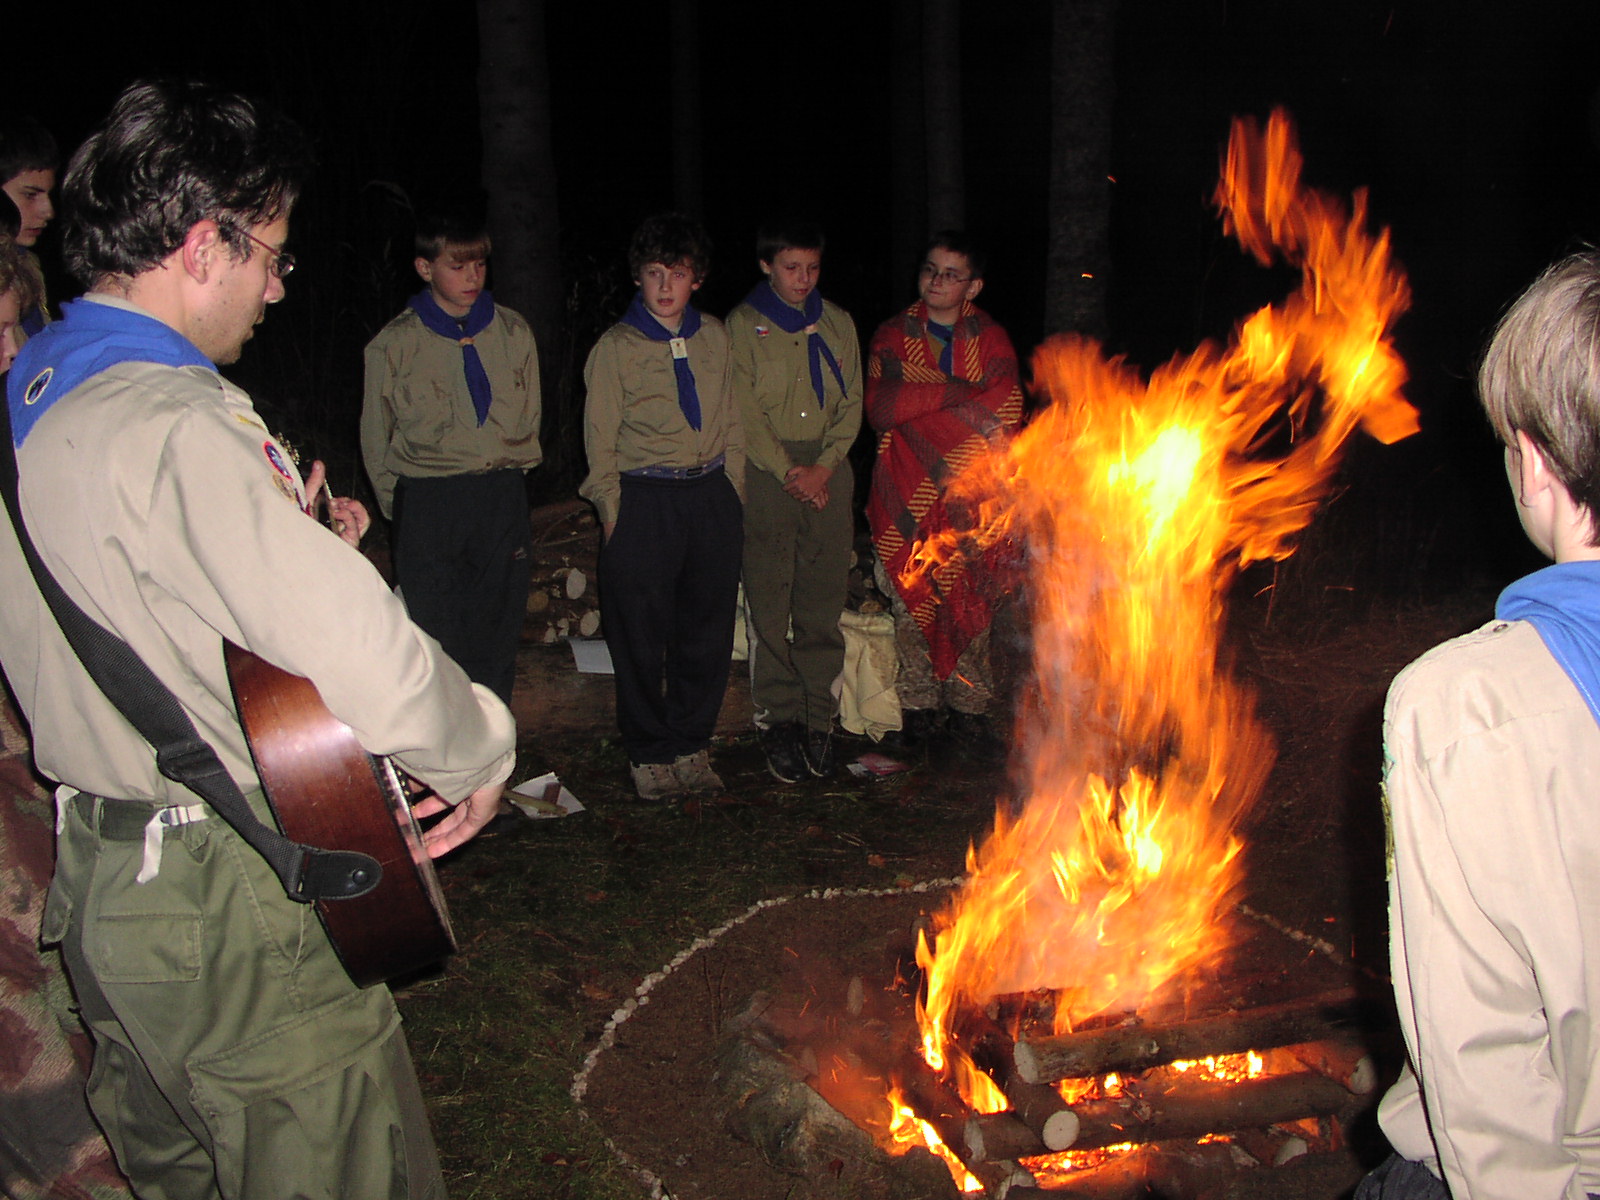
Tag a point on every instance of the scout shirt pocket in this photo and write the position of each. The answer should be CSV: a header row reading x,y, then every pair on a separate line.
x,y
783,391
651,415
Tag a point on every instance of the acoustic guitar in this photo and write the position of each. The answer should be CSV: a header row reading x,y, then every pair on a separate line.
x,y
325,790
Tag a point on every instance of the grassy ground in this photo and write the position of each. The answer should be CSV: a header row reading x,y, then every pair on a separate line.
x,y
558,921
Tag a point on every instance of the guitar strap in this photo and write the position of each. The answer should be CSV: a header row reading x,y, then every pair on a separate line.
x,y
182,755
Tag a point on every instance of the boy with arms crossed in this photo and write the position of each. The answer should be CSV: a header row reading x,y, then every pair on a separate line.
x,y
941,387
449,427
666,466
797,380
1491,778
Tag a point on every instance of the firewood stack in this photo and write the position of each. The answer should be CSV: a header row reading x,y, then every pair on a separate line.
x,y
564,599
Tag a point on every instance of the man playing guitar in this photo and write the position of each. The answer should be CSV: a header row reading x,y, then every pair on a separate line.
x,y
234,1056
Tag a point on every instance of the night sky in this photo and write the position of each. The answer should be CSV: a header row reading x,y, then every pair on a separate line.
x,y
1473,125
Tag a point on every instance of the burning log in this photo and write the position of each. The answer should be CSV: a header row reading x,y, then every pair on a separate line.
x,y
1181,1172
996,1137
1272,1147
1202,1107
1139,1046
1192,1109
1346,1061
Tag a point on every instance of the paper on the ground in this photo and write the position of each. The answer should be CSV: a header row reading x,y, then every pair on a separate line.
x,y
876,764
592,655
544,798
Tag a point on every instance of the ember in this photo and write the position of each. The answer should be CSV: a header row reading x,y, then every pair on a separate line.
x,y
1138,502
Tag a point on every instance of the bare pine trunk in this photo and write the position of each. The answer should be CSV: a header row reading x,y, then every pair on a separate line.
x,y
1079,255
519,166
908,159
688,168
941,89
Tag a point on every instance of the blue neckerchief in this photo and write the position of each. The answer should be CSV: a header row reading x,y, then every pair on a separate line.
x,y
641,319
462,330
1563,603
792,320
90,338
945,335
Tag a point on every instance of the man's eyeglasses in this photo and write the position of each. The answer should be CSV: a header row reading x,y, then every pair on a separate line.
x,y
282,261
929,271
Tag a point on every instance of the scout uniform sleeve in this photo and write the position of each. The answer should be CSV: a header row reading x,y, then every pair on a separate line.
x,y
535,393
1463,895
736,457
228,537
762,448
377,422
602,423
844,421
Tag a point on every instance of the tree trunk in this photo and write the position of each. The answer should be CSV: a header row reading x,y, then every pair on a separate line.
x,y
519,167
1081,90
688,168
941,89
908,151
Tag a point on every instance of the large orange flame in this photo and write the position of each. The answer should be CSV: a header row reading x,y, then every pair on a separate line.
x,y
1137,503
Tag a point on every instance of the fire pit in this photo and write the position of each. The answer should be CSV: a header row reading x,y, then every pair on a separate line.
x,y
774,1044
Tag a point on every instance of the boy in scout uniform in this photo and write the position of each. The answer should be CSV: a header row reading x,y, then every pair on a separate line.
x,y
449,429
666,461
797,380
1491,769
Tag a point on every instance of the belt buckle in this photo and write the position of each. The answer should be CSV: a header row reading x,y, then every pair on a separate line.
x,y
691,472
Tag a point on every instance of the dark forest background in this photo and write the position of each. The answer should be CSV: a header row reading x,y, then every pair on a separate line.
x,y
1475,127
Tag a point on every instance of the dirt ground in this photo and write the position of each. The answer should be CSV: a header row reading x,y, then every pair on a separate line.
x,y
1314,893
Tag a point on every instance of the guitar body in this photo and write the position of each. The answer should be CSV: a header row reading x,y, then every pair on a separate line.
x,y
327,791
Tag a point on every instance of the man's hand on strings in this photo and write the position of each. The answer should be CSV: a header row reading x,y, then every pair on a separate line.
x,y
346,517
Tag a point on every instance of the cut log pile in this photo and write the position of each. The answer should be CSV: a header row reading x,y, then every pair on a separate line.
x,y
563,599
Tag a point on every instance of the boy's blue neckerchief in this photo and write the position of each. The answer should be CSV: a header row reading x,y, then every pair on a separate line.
x,y
945,335
90,338
1563,603
792,320
462,330
641,319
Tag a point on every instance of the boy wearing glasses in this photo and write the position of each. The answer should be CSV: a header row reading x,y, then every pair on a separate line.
x,y
941,389
797,380
449,427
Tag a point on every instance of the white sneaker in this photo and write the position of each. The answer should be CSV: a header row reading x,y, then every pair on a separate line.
x,y
694,773
655,781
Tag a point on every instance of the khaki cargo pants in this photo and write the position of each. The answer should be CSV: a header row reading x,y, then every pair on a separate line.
x,y
233,1056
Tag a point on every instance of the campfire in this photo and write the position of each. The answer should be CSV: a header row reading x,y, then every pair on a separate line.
x,y
1138,502
1093,1012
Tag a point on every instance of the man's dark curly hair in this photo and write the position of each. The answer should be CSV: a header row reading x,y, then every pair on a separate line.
x,y
671,238
173,153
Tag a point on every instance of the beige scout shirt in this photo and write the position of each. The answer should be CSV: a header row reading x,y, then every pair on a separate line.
x,y
631,418
772,384
1493,788
166,510
417,417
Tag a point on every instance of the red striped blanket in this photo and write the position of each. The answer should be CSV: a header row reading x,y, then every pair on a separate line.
x,y
931,426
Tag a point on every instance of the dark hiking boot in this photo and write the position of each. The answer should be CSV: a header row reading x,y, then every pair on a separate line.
x,y
785,750
820,758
